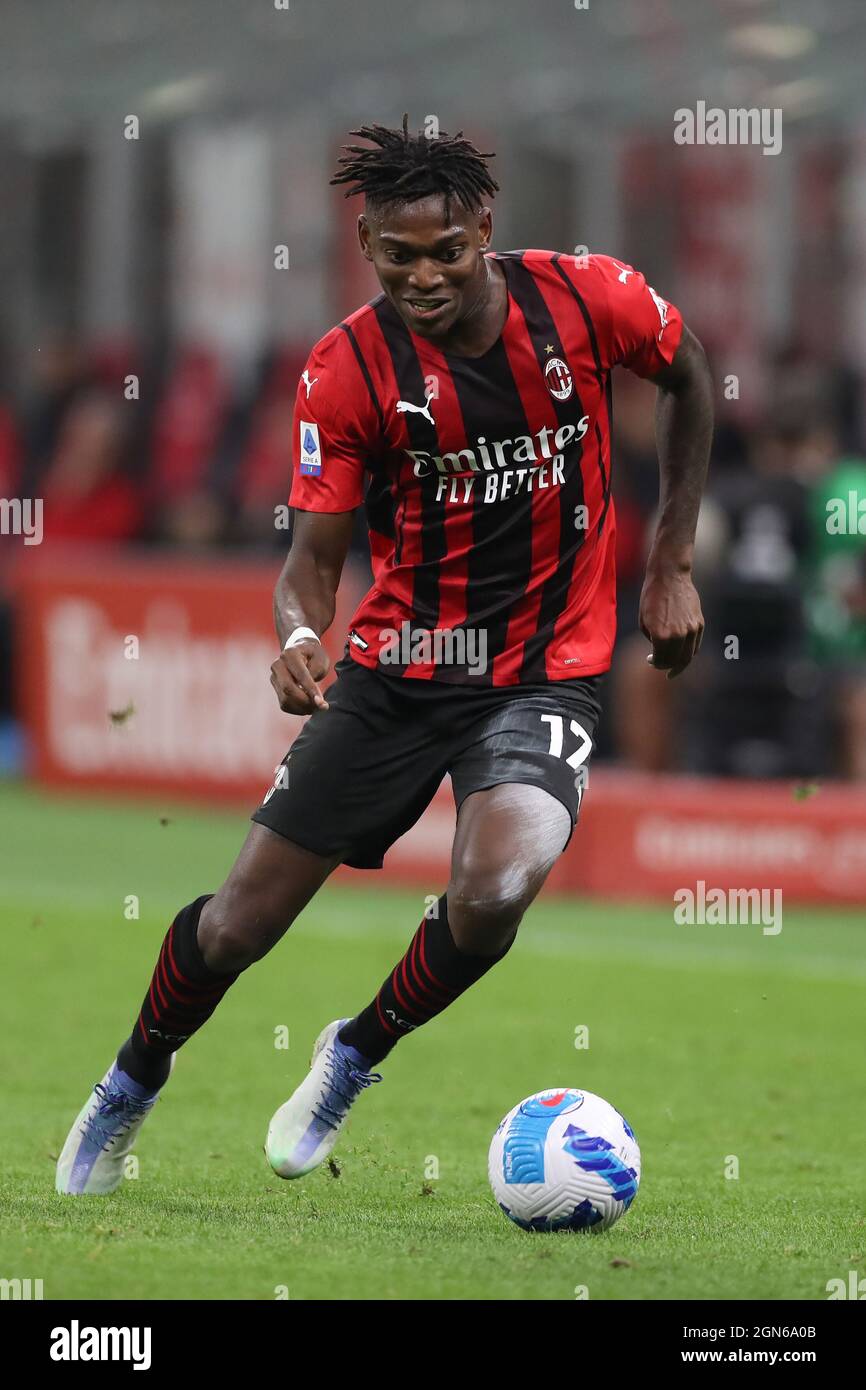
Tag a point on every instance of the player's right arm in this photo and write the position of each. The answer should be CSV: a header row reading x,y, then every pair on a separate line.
x,y
333,438
306,596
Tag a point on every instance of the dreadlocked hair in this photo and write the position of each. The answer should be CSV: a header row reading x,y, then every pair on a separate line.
x,y
400,167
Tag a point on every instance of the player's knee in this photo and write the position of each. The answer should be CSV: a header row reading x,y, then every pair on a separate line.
x,y
485,909
236,930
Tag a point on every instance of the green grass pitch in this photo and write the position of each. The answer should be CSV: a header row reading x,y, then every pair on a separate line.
x,y
713,1041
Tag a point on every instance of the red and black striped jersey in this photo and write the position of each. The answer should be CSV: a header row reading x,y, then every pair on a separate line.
x,y
486,480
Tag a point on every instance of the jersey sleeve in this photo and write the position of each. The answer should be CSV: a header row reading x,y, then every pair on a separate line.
x,y
636,327
335,434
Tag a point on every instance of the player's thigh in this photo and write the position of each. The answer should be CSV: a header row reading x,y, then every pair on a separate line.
x,y
508,837
270,883
519,780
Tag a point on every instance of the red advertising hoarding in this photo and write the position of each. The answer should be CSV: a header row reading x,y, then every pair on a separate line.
x,y
151,675
643,836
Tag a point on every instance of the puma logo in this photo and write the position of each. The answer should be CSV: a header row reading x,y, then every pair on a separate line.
x,y
662,306
624,272
403,406
305,378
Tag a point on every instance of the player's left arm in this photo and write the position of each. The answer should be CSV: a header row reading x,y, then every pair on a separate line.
x,y
639,330
670,609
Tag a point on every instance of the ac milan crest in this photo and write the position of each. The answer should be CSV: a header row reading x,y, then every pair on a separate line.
x,y
560,382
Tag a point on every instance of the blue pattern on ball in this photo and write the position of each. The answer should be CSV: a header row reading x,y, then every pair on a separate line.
x,y
523,1149
581,1218
594,1154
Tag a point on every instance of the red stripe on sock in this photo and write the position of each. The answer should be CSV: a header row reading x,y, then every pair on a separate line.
x,y
410,975
201,997
169,1015
407,1007
448,995
155,982
389,1027
179,973
422,953
426,1001
154,1009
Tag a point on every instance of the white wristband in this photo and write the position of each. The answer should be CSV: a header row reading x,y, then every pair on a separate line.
x,y
300,634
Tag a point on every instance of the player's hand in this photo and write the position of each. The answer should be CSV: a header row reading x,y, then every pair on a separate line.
x,y
671,618
294,676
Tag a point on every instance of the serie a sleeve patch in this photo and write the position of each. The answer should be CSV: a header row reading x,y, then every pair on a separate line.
x,y
311,452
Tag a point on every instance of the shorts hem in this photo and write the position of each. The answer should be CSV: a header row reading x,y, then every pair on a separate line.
x,y
348,860
527,781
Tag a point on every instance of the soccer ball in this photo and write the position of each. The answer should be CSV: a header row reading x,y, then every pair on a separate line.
x,y
564,1160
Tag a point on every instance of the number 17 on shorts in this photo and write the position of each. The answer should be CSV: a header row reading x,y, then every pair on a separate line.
x,y
575,759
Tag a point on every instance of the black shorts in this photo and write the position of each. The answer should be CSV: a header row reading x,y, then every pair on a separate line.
x,y
361,773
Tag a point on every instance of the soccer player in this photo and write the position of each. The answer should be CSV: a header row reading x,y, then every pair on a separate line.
x,y
469,407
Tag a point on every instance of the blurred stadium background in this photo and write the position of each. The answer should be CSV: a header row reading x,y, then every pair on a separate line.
x,y
154,157
137,723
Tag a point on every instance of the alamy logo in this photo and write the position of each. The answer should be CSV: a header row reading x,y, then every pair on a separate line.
x,y
443,646
77,1343
403,406
738,126
846,516
21,1289
22,516
717,907
855,1288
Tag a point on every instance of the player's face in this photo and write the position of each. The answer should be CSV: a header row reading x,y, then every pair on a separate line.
x,y
430,266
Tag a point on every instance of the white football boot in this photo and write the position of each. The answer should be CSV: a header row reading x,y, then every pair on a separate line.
x,y
102,1136
304,1131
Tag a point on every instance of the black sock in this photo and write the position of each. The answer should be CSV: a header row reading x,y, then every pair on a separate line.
x,y
431,975
183,994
